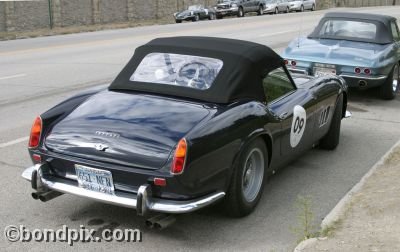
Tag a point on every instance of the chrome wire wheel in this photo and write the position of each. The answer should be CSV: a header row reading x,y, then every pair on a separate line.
x,y
253,174
395,82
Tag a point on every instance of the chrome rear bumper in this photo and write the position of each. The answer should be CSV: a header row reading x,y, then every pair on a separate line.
x,y
43,182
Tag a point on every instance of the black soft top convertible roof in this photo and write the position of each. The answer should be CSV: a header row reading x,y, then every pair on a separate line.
x,y
383,36
244,65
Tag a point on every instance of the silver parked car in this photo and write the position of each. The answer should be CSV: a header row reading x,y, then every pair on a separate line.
x,y
283,6
271,7
301,5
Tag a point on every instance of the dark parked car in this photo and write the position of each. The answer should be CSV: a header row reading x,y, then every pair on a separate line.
x,y
238,7
362,48
188,121
195,13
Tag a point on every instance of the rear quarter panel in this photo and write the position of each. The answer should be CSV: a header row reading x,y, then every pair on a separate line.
x,y
215,145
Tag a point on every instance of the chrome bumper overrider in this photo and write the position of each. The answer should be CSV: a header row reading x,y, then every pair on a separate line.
x,y
43,183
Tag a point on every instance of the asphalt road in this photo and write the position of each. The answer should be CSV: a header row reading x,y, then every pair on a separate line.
x,y
36,74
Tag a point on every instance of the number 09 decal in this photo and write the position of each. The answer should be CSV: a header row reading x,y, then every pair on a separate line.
x,y
298,125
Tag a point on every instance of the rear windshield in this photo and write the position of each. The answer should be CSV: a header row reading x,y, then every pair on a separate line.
x,y
177,69
348,28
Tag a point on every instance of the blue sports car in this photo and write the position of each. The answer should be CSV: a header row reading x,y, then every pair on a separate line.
x,y
364,49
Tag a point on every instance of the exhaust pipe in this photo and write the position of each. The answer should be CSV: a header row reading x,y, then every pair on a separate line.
x,y
362,83
35,195
49,196
160,222
164,223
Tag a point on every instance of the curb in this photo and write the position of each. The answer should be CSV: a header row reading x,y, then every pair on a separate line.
x,y
337,212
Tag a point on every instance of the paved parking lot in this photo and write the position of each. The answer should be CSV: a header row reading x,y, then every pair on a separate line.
x,y
38,73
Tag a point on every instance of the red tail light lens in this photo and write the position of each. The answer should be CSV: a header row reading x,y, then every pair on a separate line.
x,y
286,62
37,158
367,71
357,70
294,63
160,182
178,163
36,130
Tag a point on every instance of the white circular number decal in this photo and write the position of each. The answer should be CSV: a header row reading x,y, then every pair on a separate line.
x,y
298,125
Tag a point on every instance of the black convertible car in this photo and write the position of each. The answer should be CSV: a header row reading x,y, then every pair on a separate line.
x,y
189,121
195,13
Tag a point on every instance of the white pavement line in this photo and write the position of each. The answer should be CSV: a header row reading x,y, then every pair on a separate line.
x,y
277,33
16,141
12,76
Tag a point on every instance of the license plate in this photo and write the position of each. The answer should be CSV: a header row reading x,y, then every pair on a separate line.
x,y
319,71
95,179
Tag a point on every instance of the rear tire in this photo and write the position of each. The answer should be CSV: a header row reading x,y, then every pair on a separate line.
x,y
211,16
260,10
389,89
247,181
331,140
240,12
196,18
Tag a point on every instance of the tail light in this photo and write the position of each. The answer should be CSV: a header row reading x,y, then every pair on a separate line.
x,y
160,182
286,62
37,158
178,164
36,131
294,63
357,70
367,71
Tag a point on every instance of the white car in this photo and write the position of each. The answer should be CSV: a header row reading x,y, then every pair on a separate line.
x,y
301,5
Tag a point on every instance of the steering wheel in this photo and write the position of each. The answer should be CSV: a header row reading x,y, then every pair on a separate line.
x,y
194,75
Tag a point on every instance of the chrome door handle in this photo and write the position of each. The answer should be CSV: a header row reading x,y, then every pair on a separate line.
x,y
283,116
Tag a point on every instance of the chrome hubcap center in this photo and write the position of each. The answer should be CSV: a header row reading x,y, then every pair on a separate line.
x,y
253,173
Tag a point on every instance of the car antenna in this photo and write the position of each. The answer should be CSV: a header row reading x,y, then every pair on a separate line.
x,y
300,30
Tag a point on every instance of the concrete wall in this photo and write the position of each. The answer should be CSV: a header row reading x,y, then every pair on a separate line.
x,y
143,9
24,16
113,11
2,17
76,12
33,15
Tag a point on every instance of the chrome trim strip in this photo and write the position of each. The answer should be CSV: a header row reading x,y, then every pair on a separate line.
x,y
363,77
298,71
126,199
170,206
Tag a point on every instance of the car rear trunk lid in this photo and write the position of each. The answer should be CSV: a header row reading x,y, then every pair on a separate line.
x,y
129,129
